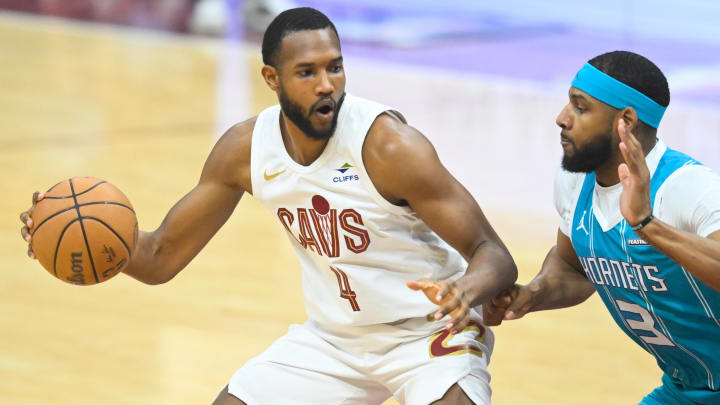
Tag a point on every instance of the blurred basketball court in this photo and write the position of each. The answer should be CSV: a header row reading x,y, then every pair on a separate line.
x,y
142,107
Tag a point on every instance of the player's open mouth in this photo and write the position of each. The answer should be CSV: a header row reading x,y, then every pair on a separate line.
x,y
325,110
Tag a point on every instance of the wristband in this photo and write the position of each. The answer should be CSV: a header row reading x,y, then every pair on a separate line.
x,y
642,223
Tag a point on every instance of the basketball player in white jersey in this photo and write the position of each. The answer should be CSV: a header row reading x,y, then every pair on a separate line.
x,y
370,211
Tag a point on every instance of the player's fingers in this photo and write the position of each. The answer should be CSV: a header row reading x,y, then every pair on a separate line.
x,y
502,300
37,196
493,318
460,312
25,218
630,160
444,288
418,284
460,317
630,147
30,252
460,325
517,312
520,305
495,313
451,304
623,172
25,232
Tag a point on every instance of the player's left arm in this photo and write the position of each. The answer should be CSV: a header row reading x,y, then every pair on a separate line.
x,y
404,167
698,255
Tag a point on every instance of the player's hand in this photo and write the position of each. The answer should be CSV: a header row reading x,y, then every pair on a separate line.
x,y
28,223
451,299
635,178
510,304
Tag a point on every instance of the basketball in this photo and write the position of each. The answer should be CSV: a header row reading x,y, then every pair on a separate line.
x,y
84,230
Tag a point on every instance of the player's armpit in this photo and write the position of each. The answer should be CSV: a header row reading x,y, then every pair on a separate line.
x,y
562,281
193,220
566,252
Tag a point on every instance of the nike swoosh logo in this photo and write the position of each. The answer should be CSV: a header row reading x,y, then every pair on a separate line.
x,y
269,177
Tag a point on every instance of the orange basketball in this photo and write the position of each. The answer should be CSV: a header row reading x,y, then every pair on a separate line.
x,y
84,230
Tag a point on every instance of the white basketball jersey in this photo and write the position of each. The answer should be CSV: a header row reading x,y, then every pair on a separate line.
x,y
356,249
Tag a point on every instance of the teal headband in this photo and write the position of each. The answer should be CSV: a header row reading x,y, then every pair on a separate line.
x,y
617,94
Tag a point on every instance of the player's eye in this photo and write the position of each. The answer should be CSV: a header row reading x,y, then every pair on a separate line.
x,y
336,69
305,73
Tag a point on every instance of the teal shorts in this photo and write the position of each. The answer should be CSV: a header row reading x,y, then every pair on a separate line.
x,y
670,394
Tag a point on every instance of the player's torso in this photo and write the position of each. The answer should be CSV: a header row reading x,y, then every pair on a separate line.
x,y
656,302
356,249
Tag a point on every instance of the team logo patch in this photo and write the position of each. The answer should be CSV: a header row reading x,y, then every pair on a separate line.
x,y
270,176
637,242
344,168
347,177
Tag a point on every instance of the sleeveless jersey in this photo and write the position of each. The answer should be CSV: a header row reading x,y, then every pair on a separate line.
x,y
356,249
657,303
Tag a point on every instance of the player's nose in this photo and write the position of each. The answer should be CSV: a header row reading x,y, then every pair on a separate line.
x,y
563,119
324,86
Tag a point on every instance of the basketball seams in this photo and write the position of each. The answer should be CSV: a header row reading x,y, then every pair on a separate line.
x,y
79,206
127,247
74,196
57,247
82,227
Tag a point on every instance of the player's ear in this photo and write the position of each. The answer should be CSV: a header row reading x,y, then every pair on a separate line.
x,y
270,74
629,115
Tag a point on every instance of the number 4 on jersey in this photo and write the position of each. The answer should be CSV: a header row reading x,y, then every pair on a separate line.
x,y
345,291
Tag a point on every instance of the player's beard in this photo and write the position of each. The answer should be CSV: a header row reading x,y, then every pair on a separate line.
x,y
591,156
296,114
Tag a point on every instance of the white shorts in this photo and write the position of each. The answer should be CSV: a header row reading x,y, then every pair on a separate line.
x,y
415,361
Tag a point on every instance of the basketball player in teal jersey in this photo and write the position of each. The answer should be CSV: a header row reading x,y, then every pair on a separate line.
x,y
640,224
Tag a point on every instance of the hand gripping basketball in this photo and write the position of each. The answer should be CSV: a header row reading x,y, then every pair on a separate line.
x,y
25,218
82,231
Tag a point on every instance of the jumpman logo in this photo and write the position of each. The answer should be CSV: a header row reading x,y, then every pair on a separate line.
x,y
582,224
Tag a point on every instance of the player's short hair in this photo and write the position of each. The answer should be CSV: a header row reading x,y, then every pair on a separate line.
x,y
637,72
287,22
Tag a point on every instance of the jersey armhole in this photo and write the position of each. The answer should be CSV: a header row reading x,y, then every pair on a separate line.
x,y
365,176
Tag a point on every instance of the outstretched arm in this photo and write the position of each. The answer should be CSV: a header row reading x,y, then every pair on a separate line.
x,y
561,283
193,221
700,256
404,167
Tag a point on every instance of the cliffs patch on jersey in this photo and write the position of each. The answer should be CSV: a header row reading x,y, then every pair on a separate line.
x,y
318,228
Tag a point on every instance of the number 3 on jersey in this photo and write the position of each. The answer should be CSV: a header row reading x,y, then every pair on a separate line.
x,y
345,291
646,324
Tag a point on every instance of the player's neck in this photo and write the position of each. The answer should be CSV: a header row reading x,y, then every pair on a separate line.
x,y
302,149
607,174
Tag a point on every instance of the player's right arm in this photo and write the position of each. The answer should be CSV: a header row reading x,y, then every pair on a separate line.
x,y
560,283
193,220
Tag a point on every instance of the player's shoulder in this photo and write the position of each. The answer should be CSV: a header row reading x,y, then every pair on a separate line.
x,y
240,133
566,190
690,181
236,142
692,172
229,161
567,183
391,138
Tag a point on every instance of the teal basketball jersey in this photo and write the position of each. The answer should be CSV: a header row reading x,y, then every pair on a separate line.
x,y
657,303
